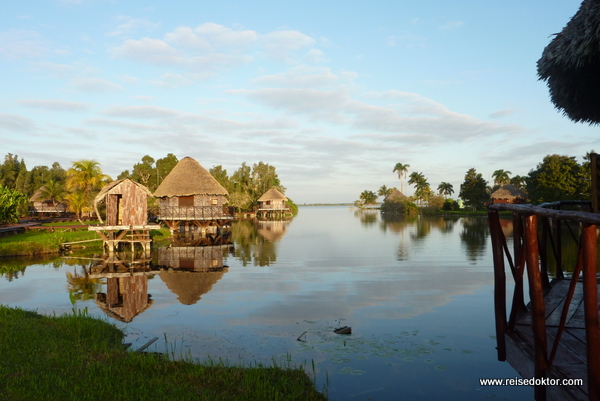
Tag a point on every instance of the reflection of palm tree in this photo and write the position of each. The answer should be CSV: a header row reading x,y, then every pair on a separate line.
x,y
82,286
474,237
402,170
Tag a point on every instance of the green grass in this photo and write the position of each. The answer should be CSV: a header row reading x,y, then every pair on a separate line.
x,y
76,357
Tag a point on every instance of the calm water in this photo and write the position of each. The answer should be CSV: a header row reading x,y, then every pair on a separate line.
x,y
417,294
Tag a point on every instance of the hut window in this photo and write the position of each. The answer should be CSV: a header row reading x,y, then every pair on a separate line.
x,y
214,202
268,202
186,201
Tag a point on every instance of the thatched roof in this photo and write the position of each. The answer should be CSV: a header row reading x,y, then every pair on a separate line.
x,y
189,178
571,65
38,195
272,194
397,195
189,286
106,189
508,191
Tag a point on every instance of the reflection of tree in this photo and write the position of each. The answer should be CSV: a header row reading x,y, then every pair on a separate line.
x,y
366,217
474,237
82,286
251,247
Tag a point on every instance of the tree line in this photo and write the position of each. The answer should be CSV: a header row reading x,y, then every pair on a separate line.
x,y
556,177
78,185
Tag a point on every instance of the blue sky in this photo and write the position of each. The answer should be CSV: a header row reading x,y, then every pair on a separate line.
x,y
333,94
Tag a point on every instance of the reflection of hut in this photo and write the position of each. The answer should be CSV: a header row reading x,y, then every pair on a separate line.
x,y
272,230
191,194
42,205
508,194
395,196
272,203
570,65
190,286
125,297
126,214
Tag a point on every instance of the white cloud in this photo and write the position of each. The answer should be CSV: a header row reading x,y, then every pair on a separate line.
x,y
151,51
14,122
54,104
280,44
21,44
301,77
144,112
129,24
97,85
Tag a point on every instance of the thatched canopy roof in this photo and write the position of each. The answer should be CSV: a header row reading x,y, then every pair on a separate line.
x,y
38,195
397,195
189,178
571,65
272,194
106,189
189,286
508,191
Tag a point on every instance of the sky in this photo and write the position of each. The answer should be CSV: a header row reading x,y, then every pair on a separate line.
x,y
331,93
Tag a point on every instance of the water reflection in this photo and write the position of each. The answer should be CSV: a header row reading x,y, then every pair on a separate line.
x,y
474,236
256,240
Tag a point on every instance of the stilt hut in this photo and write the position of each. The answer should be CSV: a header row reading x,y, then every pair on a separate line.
x,y
272,204
189,194
126,214
508,194
41,205
395,196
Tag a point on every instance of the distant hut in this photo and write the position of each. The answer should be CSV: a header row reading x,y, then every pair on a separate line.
x,y
42,205
272,203
395,196
126,203
191,194
508,194
570,65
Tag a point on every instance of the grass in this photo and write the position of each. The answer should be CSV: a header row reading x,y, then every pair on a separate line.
x,y
76,357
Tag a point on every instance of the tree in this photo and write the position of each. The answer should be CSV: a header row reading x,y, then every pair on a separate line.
x,y
368,198
220,174
501,177
11,201
445,188
54,191
385,191
473,191
519,181
422,188
84,179
558,178
142,172
163,168
402,170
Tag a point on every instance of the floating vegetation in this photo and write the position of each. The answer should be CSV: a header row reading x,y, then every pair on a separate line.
x,y
350,371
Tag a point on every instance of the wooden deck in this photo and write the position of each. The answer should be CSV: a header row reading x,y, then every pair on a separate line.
x,y
557,335
570,360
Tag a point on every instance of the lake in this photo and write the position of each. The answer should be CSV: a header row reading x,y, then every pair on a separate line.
x,y
417,294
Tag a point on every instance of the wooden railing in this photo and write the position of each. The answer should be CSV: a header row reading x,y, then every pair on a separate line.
x,y
193,213
536,233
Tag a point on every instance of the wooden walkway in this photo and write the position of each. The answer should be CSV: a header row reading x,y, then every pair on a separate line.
x,y
570,360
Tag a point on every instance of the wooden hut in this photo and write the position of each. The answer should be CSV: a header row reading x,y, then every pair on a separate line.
x,y
395,196
126,214
191,194
272,204
508,194
41,205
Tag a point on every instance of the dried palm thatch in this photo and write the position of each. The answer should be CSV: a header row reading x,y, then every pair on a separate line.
x,y
395,196
189,178
272,194
509,192
570,65
38,195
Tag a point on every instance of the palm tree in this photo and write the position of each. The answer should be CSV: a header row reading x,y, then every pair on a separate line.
x,y
402,170
501,177
54,191
385,191
422,187
446,189
84,178
368,197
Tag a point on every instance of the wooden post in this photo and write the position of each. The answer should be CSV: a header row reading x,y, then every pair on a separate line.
x,y
590,299
499,283
538,308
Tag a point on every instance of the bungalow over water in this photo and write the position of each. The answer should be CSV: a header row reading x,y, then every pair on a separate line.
x,y
43,206
190,194
272,204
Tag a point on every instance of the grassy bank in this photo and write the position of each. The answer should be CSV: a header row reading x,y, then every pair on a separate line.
x,y
75,357
44,242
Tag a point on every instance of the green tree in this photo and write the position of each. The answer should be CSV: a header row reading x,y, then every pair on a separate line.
x,y
163,168
142,172
264,177
501,177
445,188
558,178
84,180
11,201
9,170
385,191
402,171
519,181
422,188
368,198
473,191
220,174
54,191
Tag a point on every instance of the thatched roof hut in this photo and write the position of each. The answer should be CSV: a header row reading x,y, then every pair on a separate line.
x,y
41,204
571,65
508,194
395,196
189,178
126,202
272,195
